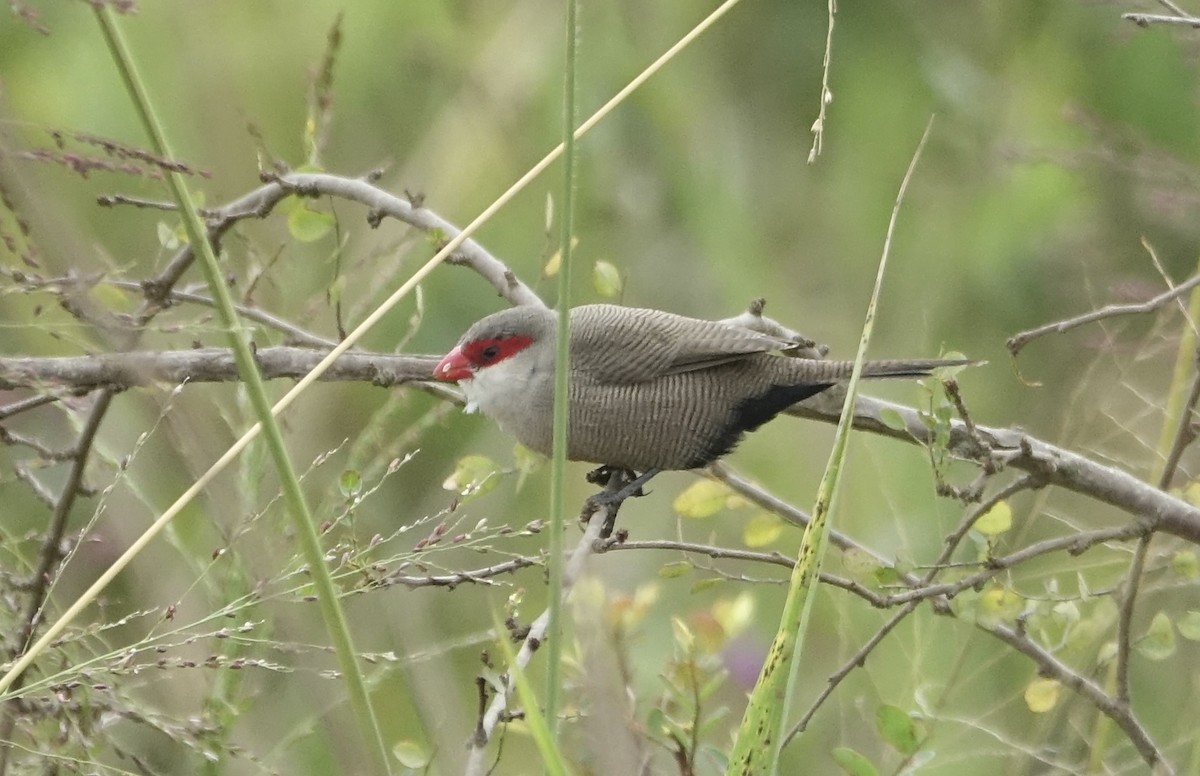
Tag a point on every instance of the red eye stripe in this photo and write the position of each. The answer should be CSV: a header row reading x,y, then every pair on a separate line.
x,y
486,352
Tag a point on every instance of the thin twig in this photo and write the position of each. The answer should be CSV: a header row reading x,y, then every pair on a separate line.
x,y
951,542
1147,19
857,660
50,554
456,578
726,553
44,452
1125,619
385,204
1051,667
798,517
1021,339
1074,544
24,405
486,726
25,475
1185,432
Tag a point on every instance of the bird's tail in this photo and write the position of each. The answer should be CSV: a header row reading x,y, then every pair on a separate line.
x,y
823,371
919,367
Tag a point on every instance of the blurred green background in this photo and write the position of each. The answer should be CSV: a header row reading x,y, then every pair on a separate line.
x,y
1062,138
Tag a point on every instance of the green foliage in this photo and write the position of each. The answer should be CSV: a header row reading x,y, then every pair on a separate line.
x,y
853,763
1158,643
688,713
473,476
899,729
703,498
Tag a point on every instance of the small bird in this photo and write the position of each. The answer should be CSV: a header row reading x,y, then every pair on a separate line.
x,y
649,390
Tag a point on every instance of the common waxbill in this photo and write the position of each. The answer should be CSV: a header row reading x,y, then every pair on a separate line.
x,y
649,390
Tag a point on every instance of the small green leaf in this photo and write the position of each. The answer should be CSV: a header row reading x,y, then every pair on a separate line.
x,y
1159,641
997,604
996,520
893,420
1189,626
606,279
411,754
473,475
306,224
700,585
554,263
527,462
336,289
350,483
898,728
734,615
853,763
859,563
676,569
762,529
1041,695
1185,564
883,576
702,498
168,238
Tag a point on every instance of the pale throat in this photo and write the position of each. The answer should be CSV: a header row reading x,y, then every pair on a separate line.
x,y
498,388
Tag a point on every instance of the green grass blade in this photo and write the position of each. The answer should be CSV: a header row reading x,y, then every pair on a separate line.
x,y
757,745
298,510
558,464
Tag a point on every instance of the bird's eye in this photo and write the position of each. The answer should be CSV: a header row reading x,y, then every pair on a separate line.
x,y
490,352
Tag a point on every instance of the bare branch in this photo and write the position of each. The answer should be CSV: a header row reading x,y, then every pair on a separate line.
x,y
857,660
572,570
1051,667
121,370
956,536
1074,544
1154,509
456,578
1020,340
383,203
33,402
1125,619
726,553
1185,433
1147,19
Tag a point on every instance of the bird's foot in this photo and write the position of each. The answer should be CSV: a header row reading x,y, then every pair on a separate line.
x,y
619,484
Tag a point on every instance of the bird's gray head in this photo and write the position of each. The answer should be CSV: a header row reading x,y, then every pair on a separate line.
x,y
494,339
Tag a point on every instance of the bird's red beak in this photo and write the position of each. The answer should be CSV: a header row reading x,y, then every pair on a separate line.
x,y
453,367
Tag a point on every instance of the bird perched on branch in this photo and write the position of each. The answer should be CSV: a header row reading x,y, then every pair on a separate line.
x,y
649,390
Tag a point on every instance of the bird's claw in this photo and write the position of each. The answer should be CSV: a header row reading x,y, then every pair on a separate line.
x,y
619,484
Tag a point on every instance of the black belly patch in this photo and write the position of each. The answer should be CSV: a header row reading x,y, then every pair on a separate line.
x,y
751,413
